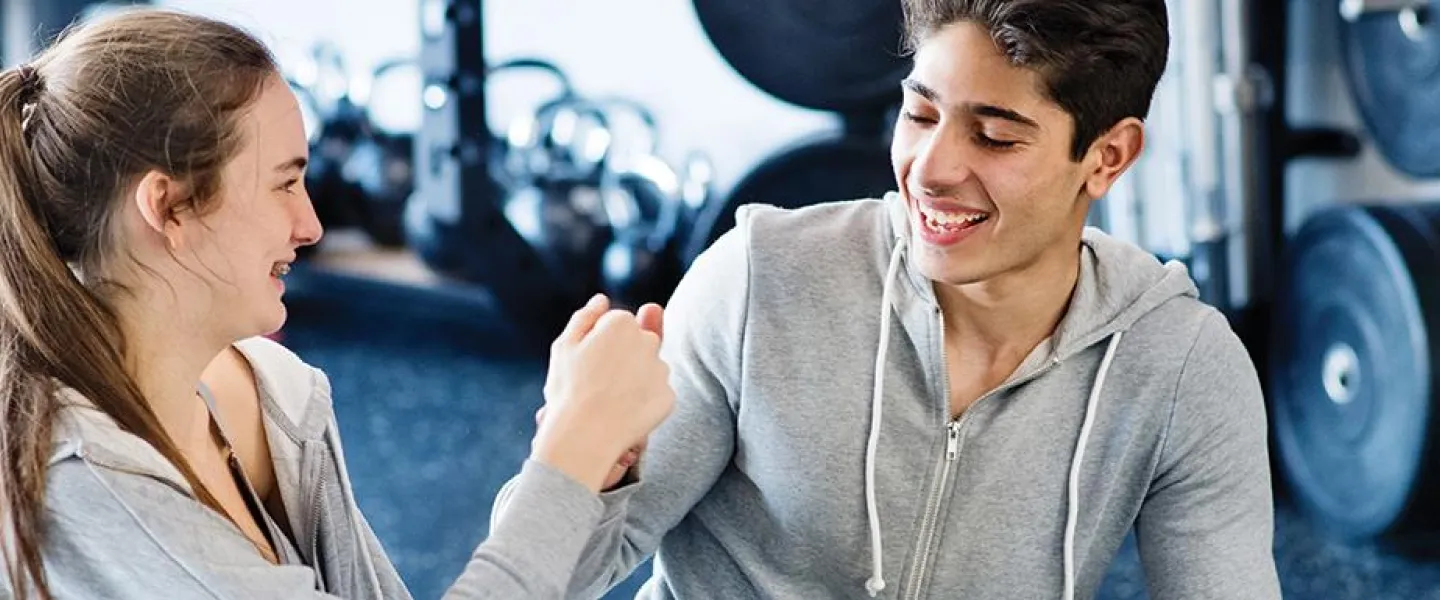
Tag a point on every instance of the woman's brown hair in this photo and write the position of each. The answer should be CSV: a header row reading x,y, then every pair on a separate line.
x,y
109,101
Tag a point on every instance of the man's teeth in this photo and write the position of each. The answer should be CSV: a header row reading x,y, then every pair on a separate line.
x,y
938,218
279,270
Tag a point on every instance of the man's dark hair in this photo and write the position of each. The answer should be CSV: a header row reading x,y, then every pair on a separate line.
x,y
1100,60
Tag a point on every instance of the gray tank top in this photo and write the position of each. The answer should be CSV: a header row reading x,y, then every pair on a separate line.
x,y
285,549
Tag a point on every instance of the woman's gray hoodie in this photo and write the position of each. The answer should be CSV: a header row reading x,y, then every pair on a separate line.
x,y
123,524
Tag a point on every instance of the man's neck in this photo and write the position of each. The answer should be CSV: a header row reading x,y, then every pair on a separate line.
x,y
1011,314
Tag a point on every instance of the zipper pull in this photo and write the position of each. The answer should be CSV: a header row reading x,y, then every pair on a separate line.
x,y
952,441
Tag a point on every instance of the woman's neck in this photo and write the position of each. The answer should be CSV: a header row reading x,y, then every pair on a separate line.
x,y
167,351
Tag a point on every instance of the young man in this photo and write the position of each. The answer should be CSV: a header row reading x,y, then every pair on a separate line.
x,y
958,391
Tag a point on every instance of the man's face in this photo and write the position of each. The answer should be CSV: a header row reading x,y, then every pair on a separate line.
x,y
982,159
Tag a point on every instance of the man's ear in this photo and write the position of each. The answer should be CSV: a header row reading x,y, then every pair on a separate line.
x,y
1111,155
157,197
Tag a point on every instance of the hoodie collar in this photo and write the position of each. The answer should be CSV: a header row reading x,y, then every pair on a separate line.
x,y
1118,283
294,398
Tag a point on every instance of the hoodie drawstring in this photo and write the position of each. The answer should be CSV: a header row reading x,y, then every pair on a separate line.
x,y
876,583
1073,501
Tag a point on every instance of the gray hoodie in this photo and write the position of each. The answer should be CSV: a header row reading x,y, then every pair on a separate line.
x,y
811,454
123,523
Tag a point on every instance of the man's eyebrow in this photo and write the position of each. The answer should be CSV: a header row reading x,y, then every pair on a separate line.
x,y
978,109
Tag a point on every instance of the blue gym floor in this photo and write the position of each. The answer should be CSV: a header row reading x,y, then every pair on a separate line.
x,y
436,414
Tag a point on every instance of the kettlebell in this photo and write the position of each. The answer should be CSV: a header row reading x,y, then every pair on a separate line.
x,y
638,265
381,169
642,201
342,124
554,200
562,220
380,165
697,191
511,160
565,138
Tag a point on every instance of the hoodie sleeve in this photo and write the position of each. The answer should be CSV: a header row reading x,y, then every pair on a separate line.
x,y
1206,527
704,332
533,546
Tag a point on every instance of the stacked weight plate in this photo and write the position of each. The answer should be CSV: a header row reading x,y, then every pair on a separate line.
x,y
1354,342
832,55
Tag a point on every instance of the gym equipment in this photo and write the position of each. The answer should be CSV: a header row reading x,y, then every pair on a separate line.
x,y
381,168
829,167
1392,59
342,124
363,174
1354,368
563,222
645,207
529,143
360,175
697,191
841,56
552,172
532,215
380,165
594,199
454,220
491,209
567,138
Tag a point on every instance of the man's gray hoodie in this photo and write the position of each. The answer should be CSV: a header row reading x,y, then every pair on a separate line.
x,y
123,524
792,469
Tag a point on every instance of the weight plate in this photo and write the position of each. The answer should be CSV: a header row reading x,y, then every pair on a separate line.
x,y
1353,367
1392,61
838,55
831,168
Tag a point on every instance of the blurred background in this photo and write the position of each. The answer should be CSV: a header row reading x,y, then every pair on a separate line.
x,y
482,167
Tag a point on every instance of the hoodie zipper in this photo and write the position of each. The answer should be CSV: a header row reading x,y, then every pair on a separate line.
x,y
952,451
929,523
315,527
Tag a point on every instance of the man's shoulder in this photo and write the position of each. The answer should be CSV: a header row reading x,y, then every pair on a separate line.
x,y
822,221
1193,341
815,238
1183,330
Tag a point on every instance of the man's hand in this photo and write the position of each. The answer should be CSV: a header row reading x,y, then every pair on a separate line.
x,y
622,467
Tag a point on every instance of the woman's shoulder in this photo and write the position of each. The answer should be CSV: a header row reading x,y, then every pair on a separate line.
x,y
291,390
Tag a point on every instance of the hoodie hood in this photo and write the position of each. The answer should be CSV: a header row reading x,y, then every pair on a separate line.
x,y
1118,283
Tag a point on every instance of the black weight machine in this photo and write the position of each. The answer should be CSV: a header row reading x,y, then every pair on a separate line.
x,y
454,219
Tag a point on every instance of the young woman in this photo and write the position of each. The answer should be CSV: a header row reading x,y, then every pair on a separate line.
x,y
155,445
